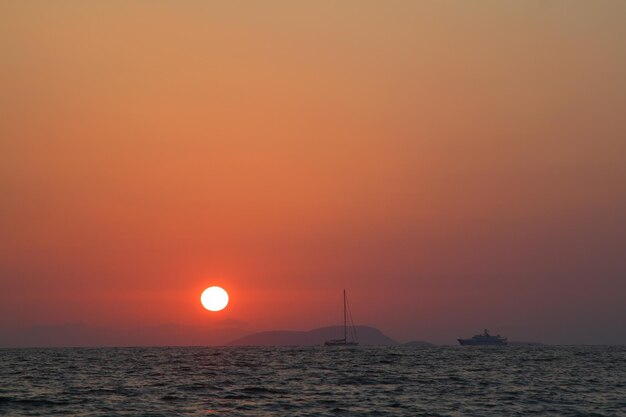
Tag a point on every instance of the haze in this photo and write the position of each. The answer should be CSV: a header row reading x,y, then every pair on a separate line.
x,y
454,165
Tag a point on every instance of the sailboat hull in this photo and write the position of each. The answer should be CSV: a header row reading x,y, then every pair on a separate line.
x,y
340,343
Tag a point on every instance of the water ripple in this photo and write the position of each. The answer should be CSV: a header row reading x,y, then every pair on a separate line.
x,y
315,381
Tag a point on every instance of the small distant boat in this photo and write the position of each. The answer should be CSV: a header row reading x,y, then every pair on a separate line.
x,y
346,317
484,339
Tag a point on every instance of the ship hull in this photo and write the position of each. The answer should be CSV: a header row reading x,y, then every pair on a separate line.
x,y
470,342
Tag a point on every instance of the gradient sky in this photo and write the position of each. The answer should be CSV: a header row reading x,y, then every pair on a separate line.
x,y
454,165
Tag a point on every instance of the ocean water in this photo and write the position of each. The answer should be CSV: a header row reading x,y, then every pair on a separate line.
x,y
314,381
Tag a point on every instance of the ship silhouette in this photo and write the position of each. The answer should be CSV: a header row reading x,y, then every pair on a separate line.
x,y
484,339
346,316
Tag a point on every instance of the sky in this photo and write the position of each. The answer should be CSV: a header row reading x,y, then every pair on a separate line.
x,y
453,165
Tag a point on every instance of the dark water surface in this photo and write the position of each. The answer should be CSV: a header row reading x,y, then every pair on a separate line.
x,y
315,381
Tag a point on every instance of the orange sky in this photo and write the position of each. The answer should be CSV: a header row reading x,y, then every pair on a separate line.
x,y
453,165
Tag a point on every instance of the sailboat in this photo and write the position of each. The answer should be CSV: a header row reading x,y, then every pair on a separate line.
x,y
344,341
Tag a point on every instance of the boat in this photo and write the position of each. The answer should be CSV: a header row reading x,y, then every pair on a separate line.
x,y
484,339
346,316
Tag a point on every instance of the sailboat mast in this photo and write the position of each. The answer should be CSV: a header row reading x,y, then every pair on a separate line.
x,y
345,328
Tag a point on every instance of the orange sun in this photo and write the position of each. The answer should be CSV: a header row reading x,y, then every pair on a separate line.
x,y
214,298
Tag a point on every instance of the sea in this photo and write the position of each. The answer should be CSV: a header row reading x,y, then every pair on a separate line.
x,y
314,381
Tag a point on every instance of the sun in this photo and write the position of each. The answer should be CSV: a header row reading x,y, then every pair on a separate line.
x,y
214,298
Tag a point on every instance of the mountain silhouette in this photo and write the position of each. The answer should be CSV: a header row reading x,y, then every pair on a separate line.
x,y
82,335
368,336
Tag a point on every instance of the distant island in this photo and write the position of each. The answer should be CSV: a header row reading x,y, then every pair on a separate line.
x,y
223,333
368,336
418,343
518,343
